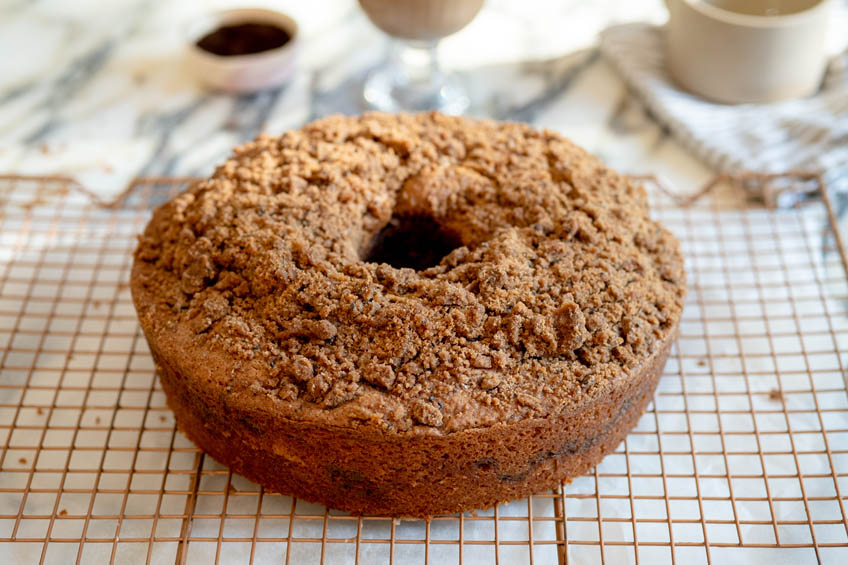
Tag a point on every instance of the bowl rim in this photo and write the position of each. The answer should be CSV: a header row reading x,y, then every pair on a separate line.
x,y
208,22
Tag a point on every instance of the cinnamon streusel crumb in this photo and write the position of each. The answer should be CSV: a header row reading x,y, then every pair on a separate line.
x,y
534,276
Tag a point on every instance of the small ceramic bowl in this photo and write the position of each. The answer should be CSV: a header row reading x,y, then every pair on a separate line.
x,y
242,73
739,51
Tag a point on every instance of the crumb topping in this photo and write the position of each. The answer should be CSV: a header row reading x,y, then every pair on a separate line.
x,y
415,270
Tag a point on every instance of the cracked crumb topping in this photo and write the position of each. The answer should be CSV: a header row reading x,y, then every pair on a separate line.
x,y
413,270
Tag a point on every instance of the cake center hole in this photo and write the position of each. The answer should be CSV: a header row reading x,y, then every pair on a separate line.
x,y
414,242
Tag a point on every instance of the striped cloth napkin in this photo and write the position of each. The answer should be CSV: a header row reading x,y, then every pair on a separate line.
x,y
809,134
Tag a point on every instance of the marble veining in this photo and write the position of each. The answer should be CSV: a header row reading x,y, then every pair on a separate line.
x,y
99,91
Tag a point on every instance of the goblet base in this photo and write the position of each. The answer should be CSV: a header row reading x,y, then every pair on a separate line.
x,y
388,90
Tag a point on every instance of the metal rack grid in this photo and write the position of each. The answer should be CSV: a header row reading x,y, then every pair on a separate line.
x,y
742,457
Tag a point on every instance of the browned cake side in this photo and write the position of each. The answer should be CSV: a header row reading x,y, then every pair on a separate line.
x,y
409,315
413,475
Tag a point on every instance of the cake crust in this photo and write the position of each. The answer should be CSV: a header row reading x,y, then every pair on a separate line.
x,y
292,351
370,471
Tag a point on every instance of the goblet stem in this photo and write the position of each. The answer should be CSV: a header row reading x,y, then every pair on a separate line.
x,y
415,62
412,80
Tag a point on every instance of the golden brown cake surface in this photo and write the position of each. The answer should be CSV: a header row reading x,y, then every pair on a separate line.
x,y
418,283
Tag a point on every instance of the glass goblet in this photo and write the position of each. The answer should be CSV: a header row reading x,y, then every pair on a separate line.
x,y
410,78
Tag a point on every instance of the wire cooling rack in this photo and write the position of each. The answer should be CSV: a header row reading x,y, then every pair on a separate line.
x,y
741,458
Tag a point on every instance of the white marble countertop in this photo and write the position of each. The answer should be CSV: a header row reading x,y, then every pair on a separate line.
x,y
99,91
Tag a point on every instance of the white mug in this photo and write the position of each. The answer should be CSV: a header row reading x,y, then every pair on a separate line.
x,y
738,51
